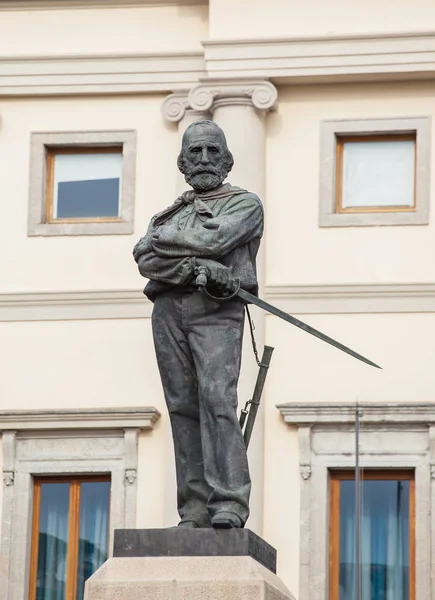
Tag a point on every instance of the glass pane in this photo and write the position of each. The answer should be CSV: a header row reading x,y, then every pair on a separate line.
x,y
384,533
378,174
87,185
52,541
94,530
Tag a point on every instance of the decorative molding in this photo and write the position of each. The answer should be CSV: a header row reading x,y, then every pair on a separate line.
x,y
99,74
262,95
350,57
8,478
64,306
353,298
296,299
71,4
175,105
130,476
304,438
305,471
342,413
84,418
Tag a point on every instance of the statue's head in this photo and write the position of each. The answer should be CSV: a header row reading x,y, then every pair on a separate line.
x,y
204,160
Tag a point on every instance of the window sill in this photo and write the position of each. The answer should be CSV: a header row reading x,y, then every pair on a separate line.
x,y
367,219
95,228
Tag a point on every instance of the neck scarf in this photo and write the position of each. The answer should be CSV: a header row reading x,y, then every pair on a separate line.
x,y
199,201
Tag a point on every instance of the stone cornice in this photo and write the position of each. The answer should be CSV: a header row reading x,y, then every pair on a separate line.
x,y
84,418
360,57
89,4
99,74
315,413
353,298
296,299
55,306
260,93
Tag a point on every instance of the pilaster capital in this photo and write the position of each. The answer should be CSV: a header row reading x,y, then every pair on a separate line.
x,y
176,105
130,476
8,478
207,95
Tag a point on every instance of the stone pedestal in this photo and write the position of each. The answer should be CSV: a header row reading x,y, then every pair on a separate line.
x,y
219,565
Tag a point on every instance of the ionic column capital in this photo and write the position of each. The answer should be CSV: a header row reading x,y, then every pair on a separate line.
x,y
260,94
176,106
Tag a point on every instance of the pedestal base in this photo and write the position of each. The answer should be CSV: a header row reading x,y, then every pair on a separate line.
x,y
185,578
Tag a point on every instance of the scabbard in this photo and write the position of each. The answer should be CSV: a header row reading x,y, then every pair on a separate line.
x,y
258,390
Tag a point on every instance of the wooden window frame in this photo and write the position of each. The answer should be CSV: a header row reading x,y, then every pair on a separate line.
x,y
335,477
73,529
346,139
51,152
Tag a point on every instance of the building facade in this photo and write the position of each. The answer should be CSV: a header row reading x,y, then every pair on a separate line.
x,y
327,108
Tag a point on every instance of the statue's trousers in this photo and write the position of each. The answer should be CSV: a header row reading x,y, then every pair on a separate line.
x,y
198,346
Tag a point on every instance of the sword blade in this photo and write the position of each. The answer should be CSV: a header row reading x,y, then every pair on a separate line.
x,y
318,334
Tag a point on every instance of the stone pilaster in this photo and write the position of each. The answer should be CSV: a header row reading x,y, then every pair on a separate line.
x,y
9,441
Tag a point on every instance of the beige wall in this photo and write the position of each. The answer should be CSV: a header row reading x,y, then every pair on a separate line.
x,y
86,262
230,19
67,364
103,31
308,370
298,251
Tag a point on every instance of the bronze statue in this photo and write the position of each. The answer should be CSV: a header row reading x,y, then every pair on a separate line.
x,y
213,229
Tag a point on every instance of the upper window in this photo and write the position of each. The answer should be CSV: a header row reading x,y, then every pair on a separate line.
x,y
70,535
375,172
386,535
82,183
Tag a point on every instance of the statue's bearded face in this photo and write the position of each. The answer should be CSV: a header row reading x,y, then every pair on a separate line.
x,y
204,158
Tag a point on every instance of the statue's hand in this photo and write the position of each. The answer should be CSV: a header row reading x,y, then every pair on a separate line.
x,y
217,274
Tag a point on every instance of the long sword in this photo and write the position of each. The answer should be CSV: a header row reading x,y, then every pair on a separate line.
x,y
201,282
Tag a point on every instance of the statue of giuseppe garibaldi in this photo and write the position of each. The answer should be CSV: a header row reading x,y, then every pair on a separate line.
x,y
198,341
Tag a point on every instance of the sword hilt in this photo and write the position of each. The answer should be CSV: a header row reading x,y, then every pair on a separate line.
x,y
202,280
202,277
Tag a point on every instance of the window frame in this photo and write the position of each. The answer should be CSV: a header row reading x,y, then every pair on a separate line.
x,y
345,139
338,475
41,174
73,528
51,153
331,132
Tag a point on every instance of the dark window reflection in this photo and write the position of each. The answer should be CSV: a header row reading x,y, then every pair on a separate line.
x,y
53,541
384,532
94,530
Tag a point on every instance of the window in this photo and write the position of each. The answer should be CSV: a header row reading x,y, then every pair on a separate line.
x,y
69,536
375,172
82,183
387,538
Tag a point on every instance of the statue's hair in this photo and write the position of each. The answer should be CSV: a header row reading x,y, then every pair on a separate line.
x,y
227,156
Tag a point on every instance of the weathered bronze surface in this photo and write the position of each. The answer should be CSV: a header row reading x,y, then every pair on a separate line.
x,y
198,341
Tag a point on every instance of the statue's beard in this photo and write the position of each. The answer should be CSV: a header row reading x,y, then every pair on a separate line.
x,y
204,179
